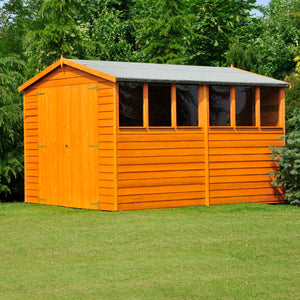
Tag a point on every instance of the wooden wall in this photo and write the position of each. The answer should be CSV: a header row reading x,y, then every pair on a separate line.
x,y
160,168
107,145
170,167
144,167
105,91
31,156
239,161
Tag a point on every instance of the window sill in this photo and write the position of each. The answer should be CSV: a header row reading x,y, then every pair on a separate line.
x,y
188,127
131,127
247,127
272,127
159,128
221,127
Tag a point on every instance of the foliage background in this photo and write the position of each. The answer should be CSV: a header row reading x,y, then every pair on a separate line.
x,y
35,33
287,177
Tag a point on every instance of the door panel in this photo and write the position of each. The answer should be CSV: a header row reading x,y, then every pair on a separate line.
x,y
49,146
68,165
43,143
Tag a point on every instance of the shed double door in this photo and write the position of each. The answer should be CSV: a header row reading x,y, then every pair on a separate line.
x,y
68,146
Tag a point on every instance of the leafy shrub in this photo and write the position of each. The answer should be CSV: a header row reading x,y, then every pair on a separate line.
x,y
11,128
288,156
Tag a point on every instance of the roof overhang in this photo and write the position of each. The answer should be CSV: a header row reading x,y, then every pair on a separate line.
x,y
163,73
183,74
60,63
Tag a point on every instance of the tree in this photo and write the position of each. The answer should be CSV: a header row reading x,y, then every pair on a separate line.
x,y
11,129
109,35
12,29
241,56
162,31
271,45
216,24
58,33
292,95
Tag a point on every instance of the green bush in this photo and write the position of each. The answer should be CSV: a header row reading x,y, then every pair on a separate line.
x,y
288,156
11,129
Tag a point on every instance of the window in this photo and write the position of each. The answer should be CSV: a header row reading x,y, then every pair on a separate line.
x,y
159,104
187,105
219,105
130,104
269,106
244,105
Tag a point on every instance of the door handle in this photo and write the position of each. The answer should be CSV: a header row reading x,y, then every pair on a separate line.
x,y
66,146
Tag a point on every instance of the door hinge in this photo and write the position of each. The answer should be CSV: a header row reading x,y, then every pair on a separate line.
x,y
93,87
97,203
96,146
40,94
42,146
41,199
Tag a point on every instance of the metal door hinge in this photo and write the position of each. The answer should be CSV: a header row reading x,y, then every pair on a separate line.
x,y
94,87
41,199
40,94
42,146
96,146
97,203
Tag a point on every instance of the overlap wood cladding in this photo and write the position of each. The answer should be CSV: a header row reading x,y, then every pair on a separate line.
x,y
77,155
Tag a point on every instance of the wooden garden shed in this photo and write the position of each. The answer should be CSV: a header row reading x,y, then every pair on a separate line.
x,y
123,136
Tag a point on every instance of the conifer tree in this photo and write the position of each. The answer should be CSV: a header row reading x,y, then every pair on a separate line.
x,y
109,35
59,33
287,177
11,129
163,31
215,25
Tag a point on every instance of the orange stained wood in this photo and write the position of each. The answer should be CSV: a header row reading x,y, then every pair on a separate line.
x,y
163,136
161,204
278,198
170,174
68,146
150,182
239,163
115,162
60,63
195,197
173,106
281,118
204,98
257,107
240,185
145,106
232,107
243,192
31,166
160,160
106,125
75,154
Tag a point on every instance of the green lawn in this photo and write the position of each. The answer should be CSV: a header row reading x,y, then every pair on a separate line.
x,y
246,251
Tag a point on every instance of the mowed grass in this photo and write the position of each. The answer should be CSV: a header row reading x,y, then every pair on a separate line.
x,y
241,251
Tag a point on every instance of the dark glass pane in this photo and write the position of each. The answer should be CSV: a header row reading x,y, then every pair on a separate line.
x,y
130,104
187,105
269,106
244,105
159,104
219,105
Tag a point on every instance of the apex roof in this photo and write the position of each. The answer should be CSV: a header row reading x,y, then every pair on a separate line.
x,y
130,71
147,72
